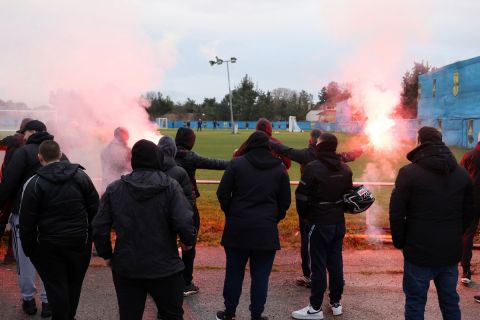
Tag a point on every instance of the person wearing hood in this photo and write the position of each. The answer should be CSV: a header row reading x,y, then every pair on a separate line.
x,y
167,147
266,126
56,210
320,194
147,210
430,207
190,161
115,157
471,162
304,157
254,194
22,166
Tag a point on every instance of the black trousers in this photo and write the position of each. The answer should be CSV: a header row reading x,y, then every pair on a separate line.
x,y
468,237
325,248
62,270
261,263
304,230
166,292
188,257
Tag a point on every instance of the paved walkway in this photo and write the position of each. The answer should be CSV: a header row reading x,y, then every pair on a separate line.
x,y
373,289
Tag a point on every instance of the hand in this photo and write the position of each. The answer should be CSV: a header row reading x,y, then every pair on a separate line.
x,y
185,248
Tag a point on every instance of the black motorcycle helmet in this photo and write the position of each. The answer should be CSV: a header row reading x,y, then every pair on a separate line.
x,y
358,200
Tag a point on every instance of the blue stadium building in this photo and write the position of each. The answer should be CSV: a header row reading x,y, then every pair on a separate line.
x,y
450,101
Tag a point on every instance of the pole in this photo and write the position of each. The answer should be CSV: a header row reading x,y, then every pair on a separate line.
x,y
230,92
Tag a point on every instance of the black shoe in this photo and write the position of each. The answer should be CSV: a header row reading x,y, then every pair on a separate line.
x,y
29,307
222,315
466,277
261,318
46,312
191,289
477,298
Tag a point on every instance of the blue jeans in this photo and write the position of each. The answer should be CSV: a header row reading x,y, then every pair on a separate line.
x,y
261,263
416,281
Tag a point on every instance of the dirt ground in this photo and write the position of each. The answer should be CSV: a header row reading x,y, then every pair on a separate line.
x,y
373,289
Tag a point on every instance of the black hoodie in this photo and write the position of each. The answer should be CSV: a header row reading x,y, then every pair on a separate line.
x,y
321,189
57,207
430,206
254,194
147,209
22,166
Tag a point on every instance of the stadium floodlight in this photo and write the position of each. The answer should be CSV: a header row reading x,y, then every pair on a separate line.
x,y
219,62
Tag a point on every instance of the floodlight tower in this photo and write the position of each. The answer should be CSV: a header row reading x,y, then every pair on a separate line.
x,y
219,62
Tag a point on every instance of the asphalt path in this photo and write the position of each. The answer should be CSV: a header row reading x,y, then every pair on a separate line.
x,y
372,291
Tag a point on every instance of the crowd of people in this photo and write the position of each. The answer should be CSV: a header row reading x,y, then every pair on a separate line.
x,y
149,199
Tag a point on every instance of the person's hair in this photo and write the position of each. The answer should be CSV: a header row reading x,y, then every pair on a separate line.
x,y
315,133
50,150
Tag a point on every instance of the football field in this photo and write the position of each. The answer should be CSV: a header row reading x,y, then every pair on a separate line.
x,y
221,144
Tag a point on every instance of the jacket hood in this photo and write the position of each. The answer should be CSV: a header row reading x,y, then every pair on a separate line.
x,y
265,126
331,160
435,157
59,172
145,184
262,159
185,137
169,150
39,137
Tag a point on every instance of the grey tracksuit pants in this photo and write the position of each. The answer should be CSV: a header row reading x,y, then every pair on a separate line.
x,y
25,270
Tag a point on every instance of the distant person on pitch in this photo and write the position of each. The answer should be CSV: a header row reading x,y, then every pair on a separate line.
x,y
430,208
56,211
116,157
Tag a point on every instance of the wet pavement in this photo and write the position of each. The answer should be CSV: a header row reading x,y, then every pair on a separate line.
x,y
372,289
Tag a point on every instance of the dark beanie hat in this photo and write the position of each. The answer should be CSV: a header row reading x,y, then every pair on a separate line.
x,y
328,143
429,134
34,125
185,138
265,126
257,140
146,155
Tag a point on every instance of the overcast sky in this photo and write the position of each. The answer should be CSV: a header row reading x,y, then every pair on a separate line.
x,y
300,44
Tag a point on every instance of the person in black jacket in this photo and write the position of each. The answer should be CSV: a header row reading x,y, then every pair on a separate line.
x,y
471,162
147,210
22,166
254,194
304,157
167,147
320,196
56,210
430,207
9,144
190,161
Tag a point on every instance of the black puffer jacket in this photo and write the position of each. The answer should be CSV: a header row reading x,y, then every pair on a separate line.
x,y
320,192
147,209
57,207
254,194
10,144
169,166
22,166
190,161
430,206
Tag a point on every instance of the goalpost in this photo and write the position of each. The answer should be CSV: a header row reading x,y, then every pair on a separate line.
x,y
293,125
162,123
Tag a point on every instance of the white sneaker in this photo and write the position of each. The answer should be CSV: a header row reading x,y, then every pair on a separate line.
x,y
308,313
336,308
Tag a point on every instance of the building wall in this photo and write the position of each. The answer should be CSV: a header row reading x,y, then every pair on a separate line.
x,y
450,101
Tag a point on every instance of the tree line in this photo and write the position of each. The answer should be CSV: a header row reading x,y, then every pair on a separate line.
x,y
251,103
